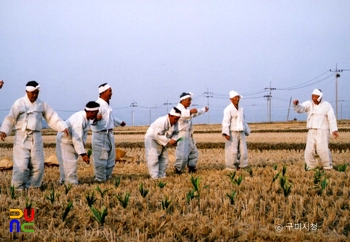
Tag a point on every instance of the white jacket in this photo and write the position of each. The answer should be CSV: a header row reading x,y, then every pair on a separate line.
x,y
161,131
107,121
319,116
234,120
25,115
78,126
185,121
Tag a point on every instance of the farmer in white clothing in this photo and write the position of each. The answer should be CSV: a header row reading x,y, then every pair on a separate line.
x,y
161,134
69,148
103,146
186,149
235,129
321,123
26,116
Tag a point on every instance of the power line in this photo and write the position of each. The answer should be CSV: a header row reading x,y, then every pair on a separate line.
x,y
304,84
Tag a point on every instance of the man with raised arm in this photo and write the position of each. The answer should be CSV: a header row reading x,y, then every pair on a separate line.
x,y
321,123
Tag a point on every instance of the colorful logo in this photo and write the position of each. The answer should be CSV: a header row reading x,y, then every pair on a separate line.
x,y
27,218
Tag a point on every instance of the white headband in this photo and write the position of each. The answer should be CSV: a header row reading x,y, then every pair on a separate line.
x,y
92,109
187,96
318,93
234,93
173,113
103,88
31,88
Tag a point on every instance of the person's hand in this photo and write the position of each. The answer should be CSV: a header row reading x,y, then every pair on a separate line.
x,y
172,142
335,134
1,83
99,117
193,110
122,124
86,159
206,109
227,137
66,132
2,136
296,102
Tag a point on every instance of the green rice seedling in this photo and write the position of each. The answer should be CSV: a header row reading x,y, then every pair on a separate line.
x,y
232,176
195,182
275,166
51,197
275,177
66,210
166,203
161,184
28,204
13,192
239,180
67,188
143,191
284,170
123,201
101,192
306,168
231,197
91,199
286,186
89,153
117,182
100,217
191,195
250,171
318,175
342,167
324,183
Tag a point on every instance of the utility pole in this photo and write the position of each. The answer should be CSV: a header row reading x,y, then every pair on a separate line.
x,y
208,95
290,103
132,105
269,101
167,105
337,75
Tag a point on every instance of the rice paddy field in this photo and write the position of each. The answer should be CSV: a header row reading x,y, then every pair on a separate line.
x,y
275,199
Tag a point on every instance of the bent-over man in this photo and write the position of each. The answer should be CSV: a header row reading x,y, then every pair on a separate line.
x,y
161,134
26,116
321,123
69,148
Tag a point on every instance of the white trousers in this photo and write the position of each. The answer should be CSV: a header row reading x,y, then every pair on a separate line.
x,y
186,151
68,159
236,150
317,144
156,158
28,160
103,145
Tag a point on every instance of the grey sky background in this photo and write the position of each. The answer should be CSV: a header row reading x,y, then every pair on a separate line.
x,y
152,51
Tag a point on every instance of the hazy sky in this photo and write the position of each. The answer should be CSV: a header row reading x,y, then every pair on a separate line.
x,y
152,51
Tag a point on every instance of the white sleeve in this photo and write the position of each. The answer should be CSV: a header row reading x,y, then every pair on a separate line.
x,y
226,122
10,119
52,118
78,136
302,107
